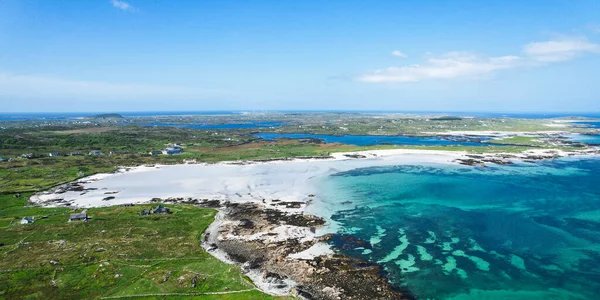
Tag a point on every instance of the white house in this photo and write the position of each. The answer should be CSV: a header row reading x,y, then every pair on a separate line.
x,y
27,220
78,217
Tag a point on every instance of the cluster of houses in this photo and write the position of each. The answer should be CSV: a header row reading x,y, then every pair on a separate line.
x,y
171,150
83,216
76,217
53,154
157,210
74,153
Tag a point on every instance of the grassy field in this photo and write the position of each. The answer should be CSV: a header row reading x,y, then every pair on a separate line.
x,y
118,253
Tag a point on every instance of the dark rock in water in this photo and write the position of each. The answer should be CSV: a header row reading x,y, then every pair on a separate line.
x,y
498,161
108,198
346,202
470,162
354,156
347,242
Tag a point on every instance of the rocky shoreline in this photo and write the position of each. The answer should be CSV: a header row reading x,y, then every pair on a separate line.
x,y
481,160
264,240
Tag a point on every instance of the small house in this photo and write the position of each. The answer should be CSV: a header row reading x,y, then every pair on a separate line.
x,y
145,212
76,153
95,152
171,150
127,204
78,217
53,154
27,220
2,159
156,152
27,155
161,210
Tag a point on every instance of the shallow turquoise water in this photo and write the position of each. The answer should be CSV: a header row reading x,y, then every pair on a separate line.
x,y
585,138
528,231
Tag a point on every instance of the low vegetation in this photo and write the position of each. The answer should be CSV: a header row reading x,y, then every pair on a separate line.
x,y
520,141
118,253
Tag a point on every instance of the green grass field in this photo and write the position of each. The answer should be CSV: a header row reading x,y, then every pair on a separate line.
x,y
118,253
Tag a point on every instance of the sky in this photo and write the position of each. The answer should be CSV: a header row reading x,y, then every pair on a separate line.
x,y
461,55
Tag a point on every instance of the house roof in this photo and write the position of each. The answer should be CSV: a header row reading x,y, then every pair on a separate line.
x,y
79,216
160,208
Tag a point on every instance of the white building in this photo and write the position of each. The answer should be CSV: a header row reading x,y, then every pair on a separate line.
x,y
27,220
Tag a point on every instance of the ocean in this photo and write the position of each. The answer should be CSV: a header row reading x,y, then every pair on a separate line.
x,y
25,116
524,231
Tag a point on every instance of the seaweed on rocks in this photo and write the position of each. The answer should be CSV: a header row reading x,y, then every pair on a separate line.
x,y
256,237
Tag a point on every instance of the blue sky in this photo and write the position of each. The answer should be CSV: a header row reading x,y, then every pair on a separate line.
x,y
134,55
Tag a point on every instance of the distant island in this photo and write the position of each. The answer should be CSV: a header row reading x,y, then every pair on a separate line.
x,y
107,116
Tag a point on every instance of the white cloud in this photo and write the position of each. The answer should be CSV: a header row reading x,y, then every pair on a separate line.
x,y
122,5
560,50
450,65
595,28
53,88
399,54
465,64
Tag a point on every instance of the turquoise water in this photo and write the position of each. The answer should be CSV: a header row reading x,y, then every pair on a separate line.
x,y
585,138
592,124
527,231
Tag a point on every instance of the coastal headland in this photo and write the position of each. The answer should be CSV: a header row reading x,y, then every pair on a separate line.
x,y
272,218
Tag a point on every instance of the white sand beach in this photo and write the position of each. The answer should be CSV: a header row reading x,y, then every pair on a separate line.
x,y
288,180
283,180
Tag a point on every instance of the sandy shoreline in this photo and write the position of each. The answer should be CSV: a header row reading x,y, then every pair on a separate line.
x,y
290,180
259,182
290,187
